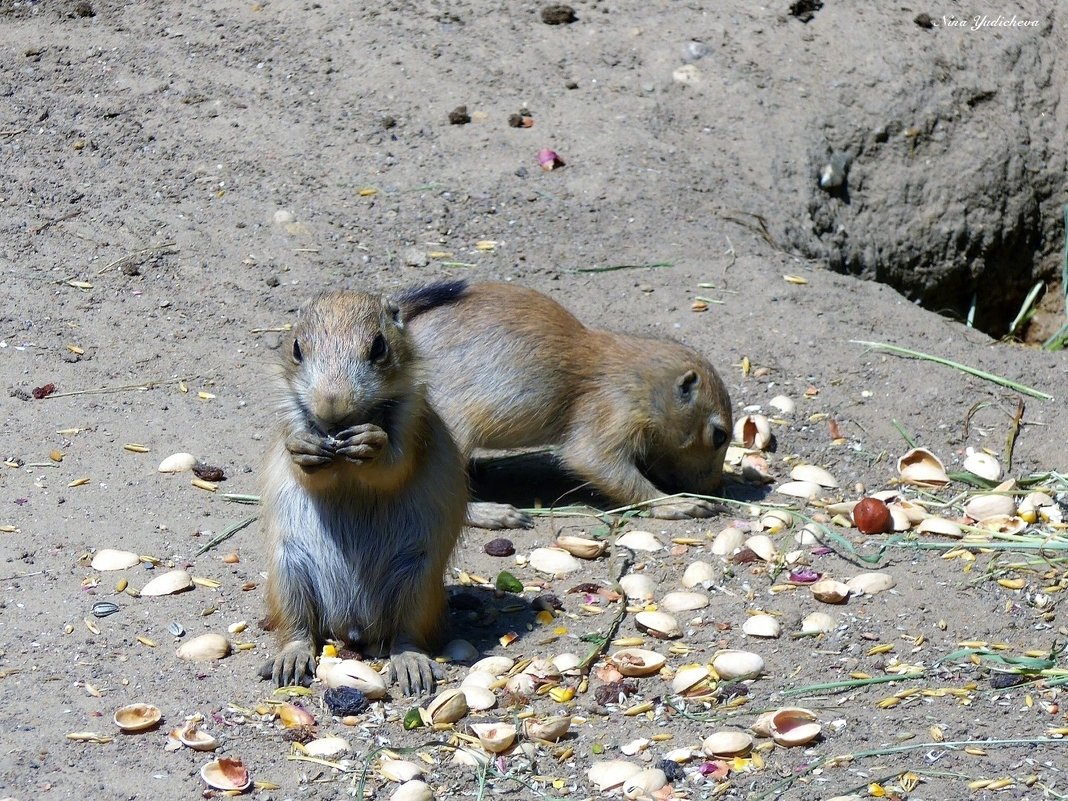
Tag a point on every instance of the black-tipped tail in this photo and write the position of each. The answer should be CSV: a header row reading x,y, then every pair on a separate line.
x,y
415,301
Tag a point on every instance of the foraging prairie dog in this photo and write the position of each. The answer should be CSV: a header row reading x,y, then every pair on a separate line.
x,y
364,494
637,418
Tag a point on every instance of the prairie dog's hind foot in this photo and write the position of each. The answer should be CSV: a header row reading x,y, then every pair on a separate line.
x,y
482,514
684,509
294,665
413,672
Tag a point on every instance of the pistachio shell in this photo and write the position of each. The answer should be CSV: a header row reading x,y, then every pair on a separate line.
x,y
986,505
521,684
775,520
639,586
871,583
643,784
567,663
400,770
688,677
414,790
582,547
762,626
734,665
727,743
783,404
205,648
1003,524
478,698
658,624
111,559
939,525
554,561
817,623
448,707
177,463
335,672
226,774
753,431
479,678
983,465
683,601
698,574
542,669
495,665
551,729
326,746
815,474
192,736
810,535
470,758
921,467
763,547
899,518
167,584
137,717
460,651
637,661
830,591
640,541
611,773
494,737
728,541
789,726
806,490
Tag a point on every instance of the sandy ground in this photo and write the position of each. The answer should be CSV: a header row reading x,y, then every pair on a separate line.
x,y
179,178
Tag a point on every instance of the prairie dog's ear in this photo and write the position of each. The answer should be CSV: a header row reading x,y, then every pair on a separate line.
x,y
686,386
393,311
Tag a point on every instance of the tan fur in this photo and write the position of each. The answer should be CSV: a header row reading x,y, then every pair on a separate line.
x,y
635,417
363,494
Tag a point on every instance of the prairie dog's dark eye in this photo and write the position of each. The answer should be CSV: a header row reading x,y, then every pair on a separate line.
x,y
298,356
719,437
379,349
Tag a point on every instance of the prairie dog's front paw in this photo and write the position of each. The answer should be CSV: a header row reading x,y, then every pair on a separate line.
x,y
309,450
362,443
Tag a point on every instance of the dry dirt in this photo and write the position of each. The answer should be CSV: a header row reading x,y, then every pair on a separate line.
x,y
178,178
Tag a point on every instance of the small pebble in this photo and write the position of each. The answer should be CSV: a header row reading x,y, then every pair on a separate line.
x,y
459,116
558,14
416,257
695,51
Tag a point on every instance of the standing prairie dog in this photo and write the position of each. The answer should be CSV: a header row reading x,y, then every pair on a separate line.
x,y
637,418
364,494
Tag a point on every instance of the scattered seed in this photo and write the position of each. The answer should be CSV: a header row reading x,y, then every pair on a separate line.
x,y
176,628
133,447
499,547
104,608
79,482
204,485
89,624
147,641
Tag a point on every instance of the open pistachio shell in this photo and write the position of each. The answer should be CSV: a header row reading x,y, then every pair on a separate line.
x,y
448,707
334,672
637,661
611,773
137,717
400,770
110,559
789,726
551,729
922,468
727,743
554,561
658,624
733,665
205,648
494,737
753,431
167,584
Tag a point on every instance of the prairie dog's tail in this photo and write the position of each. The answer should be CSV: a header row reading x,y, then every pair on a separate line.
x,y
413,302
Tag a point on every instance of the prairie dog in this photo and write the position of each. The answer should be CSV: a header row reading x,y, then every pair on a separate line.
x,y
364,493
637,418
